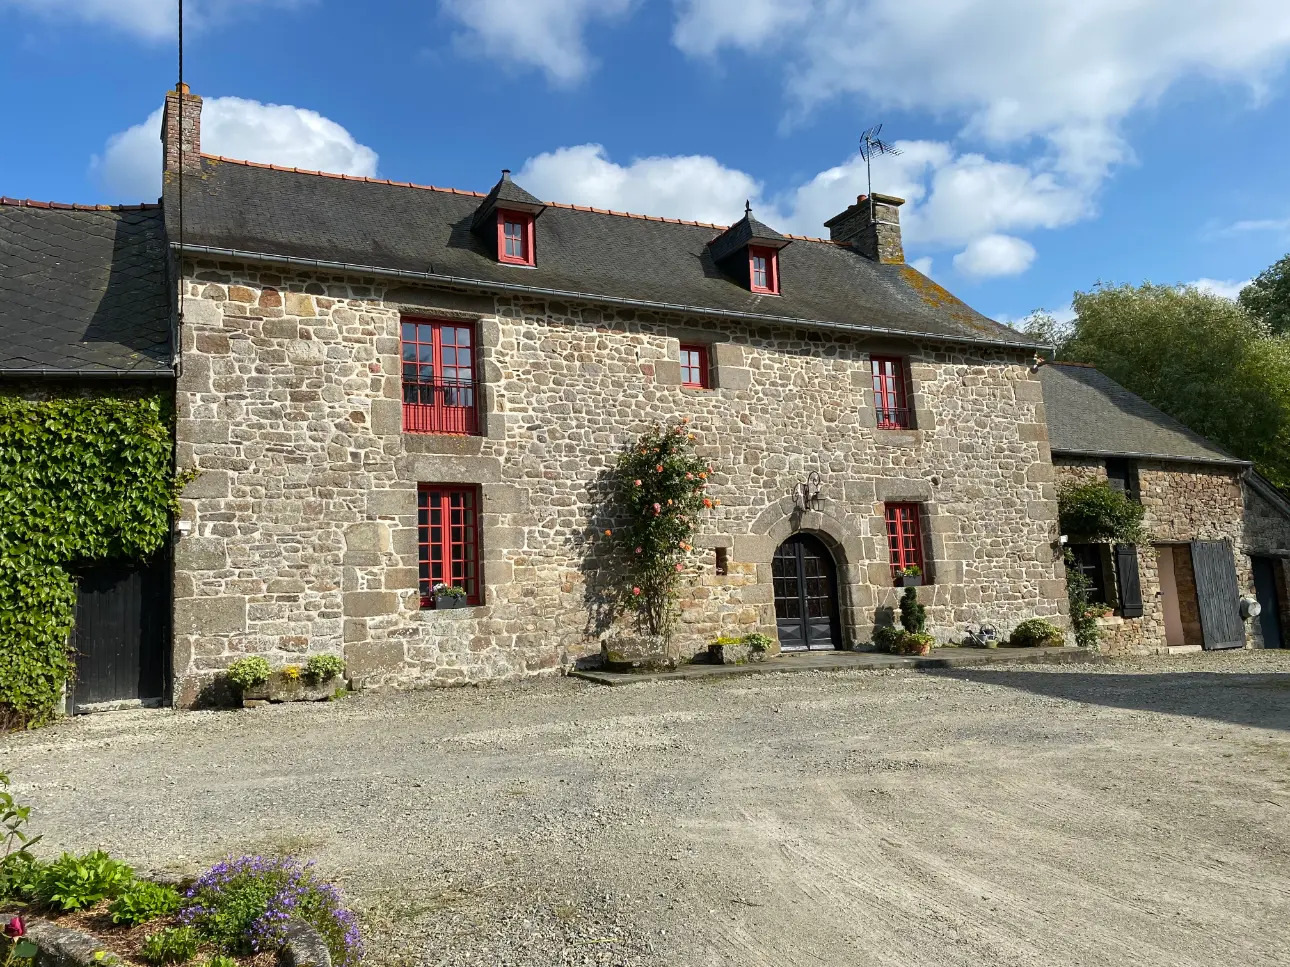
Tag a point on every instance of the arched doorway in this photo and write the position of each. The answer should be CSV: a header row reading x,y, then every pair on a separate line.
x,y
806,595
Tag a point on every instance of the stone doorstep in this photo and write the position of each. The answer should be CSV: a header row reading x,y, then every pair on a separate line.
x,y
837,661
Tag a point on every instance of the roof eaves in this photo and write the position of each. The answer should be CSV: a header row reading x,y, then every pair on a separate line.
x,y
508,287
1216,461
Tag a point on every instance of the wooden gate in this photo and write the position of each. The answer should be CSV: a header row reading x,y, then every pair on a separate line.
x,y
1217,594
121,632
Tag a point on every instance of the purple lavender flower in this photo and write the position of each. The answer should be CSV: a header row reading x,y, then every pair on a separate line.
x,y
243,905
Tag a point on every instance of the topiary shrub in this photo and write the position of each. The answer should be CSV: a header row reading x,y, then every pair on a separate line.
x,y
1036,633
913,615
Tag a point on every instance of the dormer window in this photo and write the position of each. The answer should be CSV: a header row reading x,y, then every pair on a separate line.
x,y
763,270
515,238
748,253
503,223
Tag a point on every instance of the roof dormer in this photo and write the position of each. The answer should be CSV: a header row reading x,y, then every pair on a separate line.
x,y
748,251
506,218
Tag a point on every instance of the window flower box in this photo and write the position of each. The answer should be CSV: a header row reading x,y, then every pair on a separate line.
x,y
449,598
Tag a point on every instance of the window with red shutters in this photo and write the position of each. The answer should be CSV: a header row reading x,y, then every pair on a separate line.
x,y
448,540
763,270
889,397
515,238
439,388
904,538
694,367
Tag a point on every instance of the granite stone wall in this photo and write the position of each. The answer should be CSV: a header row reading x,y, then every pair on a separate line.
x,y
1184,502
304,536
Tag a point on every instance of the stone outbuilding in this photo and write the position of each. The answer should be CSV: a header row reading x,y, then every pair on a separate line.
x,y
388,387
1219,532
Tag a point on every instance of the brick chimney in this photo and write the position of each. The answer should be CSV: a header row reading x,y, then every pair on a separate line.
x,y
879,238
183,113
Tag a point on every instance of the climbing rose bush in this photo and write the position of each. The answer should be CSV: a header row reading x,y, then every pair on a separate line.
x,y
661,490
243,905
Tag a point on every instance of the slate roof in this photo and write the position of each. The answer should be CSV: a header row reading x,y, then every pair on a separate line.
x,y
743,232
83,290
1090,413
249,208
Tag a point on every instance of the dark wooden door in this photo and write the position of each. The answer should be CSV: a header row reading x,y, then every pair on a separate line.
x,y
1268,594
1217,594
122,626
806,595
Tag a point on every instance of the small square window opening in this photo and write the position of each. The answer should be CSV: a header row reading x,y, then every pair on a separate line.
x,y
694,367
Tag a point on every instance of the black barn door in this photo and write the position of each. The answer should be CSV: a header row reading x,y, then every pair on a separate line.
x,y
806,595
122,623
1269,597
1217,594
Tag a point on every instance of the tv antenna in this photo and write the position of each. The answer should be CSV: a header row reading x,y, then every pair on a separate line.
x,y
870,145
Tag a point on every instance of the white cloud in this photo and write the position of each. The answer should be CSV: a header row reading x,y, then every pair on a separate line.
x,y
688,186
1066,71
952,199
155,20
923,265
130,165
1228,288
995,255
546,34
1277,225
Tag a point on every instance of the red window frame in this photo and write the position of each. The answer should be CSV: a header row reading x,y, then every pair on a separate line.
x,y
890,400
520,251
448,546
695,373
765,279
905,537
439,366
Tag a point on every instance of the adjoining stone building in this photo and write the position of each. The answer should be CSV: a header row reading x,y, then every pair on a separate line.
x,y
385,387
85,311
1220,533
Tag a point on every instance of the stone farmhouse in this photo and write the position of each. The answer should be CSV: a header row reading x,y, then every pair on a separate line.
x,y
386,387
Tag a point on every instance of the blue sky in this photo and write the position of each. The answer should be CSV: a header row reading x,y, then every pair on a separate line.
x,y
1046,145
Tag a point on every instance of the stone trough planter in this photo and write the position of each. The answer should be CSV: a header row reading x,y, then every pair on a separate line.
x,y
736,654
282,687
636,652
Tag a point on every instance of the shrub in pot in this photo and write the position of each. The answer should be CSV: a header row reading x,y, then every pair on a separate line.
x,y
1036,633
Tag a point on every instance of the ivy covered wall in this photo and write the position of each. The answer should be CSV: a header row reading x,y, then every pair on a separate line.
x,y
83,479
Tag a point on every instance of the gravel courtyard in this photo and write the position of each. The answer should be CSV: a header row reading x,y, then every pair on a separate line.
x,y
1133,812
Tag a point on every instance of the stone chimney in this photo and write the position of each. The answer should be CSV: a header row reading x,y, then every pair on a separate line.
x,y
182,117
879,238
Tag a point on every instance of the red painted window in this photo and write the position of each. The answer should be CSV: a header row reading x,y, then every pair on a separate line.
x,y
515,238
439,378
763,269
448,540
904,537
694,367
889,397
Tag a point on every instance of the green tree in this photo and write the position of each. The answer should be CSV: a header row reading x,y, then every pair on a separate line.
x,y
1267,298
1201,358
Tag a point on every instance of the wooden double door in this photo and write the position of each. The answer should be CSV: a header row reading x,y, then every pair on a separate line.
x,y
806,595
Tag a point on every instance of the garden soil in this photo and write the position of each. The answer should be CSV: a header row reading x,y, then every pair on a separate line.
x,y
1131,812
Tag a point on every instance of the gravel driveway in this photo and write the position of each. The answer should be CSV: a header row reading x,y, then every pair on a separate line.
x,y
1134,812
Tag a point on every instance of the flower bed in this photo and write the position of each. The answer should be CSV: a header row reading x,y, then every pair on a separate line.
x,y
82,911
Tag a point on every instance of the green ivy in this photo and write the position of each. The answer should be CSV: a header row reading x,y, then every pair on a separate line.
x,y
1094,513
81,480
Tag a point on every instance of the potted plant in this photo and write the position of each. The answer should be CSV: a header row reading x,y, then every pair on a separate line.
x,y
909,577
449,596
